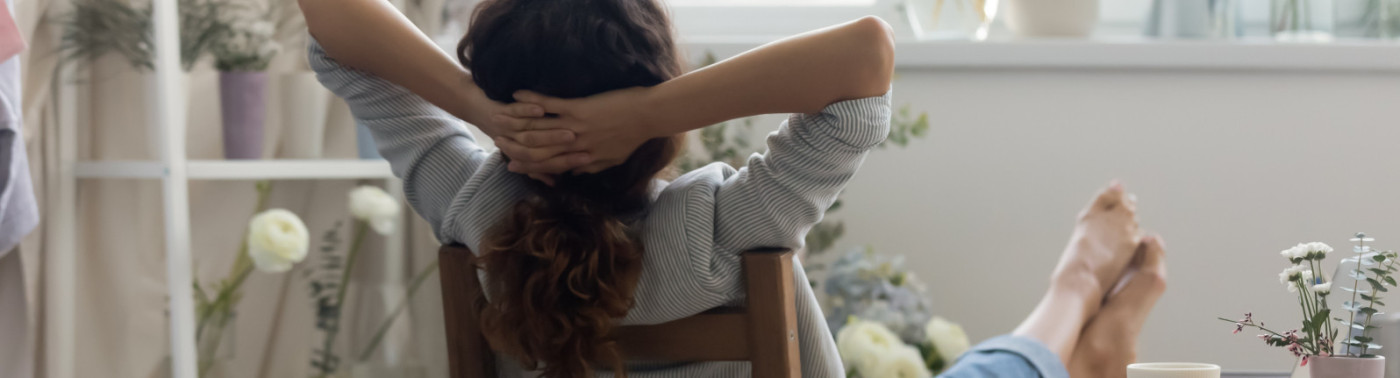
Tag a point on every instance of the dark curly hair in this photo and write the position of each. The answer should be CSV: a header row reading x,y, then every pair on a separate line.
x,y
563,265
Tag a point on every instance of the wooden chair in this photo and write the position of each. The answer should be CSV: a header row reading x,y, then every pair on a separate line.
x,y
764,332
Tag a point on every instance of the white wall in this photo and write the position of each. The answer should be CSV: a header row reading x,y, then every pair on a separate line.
x,y
1230,167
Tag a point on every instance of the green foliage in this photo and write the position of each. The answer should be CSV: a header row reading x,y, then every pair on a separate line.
x,y
1378,278
98,27
729,142
94,28
904,126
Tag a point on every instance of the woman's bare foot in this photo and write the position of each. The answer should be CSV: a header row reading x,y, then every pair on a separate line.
x,y
1109,341
1103,242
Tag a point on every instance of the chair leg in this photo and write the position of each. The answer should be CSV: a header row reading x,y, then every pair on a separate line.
x,y
772,310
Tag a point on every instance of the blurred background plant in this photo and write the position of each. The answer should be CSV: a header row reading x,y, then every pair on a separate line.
x,y
730,143
869,296
94,28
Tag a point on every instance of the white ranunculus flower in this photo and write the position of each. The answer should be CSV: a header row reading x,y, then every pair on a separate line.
x,y
863,343
948,338
277,239
373,205
1322,288
902,362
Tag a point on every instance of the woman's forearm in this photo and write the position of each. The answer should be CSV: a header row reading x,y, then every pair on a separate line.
x,y
800,74
371,35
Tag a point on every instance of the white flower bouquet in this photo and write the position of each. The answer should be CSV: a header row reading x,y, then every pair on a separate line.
x,y
1371,276
883,320
248,41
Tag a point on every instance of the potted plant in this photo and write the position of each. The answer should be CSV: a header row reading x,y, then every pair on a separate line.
x,y
242,56
1316,341
1051,18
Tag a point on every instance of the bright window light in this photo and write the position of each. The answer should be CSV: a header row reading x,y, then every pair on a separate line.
x,y
770,3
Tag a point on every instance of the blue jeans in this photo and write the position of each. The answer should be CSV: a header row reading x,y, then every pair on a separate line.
x,y
1006,357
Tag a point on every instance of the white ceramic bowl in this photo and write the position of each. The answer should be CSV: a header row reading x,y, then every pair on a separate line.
x,y
1173,370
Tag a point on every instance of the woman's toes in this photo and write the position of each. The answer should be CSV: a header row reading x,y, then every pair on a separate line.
x,y
1149,278
1108,199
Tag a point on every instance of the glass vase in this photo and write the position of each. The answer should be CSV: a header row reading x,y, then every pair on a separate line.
x,y
1301,20
380,333
950,19
215,344
1368,19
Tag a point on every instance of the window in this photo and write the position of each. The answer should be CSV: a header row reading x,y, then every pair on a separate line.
x,y
769,3
766,18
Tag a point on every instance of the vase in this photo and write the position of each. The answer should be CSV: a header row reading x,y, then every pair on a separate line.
x,y
1346,367
1301,20
1194,19
1051,18
215,345
242,100
364,143
950,19
1367,19
304,109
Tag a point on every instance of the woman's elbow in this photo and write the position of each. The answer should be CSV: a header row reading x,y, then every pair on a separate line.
x,y
876,47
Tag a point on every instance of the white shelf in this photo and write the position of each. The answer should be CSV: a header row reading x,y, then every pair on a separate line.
x,y
1120,53
240,169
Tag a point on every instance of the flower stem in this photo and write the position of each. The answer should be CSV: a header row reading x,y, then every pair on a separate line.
x,y
223,303
1253,325
398,310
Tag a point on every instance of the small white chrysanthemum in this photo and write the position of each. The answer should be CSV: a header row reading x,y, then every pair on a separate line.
x,y
1322,288
1289,276
863,343
902,362
1318,250
948,338
1294,254
371,204
277,239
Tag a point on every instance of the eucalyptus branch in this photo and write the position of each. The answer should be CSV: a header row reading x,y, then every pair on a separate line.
x,y
327,350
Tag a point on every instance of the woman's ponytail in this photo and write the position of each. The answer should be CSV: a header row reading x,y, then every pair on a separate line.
x,y
561,273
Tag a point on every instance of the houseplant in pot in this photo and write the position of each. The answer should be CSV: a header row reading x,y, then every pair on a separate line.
x,y
242,57
1316,342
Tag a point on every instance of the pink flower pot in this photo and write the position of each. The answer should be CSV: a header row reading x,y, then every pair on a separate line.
x,y
1346,367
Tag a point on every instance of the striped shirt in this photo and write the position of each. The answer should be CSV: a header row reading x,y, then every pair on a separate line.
x,y
695,228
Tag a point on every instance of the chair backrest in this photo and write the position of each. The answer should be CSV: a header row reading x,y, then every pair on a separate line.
x,y
764,332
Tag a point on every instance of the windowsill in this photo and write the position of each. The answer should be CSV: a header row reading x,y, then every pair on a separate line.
x,y
1117,53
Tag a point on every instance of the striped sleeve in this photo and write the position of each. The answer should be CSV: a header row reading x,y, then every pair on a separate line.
x,y
779,195
429,149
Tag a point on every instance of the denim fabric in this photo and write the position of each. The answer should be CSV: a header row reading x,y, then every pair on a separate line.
x,y
1008,357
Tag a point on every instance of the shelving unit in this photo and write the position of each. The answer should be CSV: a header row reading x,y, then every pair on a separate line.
x,y
174,171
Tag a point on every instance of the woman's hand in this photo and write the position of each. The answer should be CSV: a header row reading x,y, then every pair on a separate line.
x,y
489,115
607,127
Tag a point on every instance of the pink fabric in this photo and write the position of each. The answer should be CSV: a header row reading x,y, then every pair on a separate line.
x,y
11,42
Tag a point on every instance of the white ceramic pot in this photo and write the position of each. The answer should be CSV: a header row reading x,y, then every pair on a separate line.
x,y
1173,370
1051,18
304,108
1346,367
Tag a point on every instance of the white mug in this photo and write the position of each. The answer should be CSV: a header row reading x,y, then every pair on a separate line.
x,y
1173,370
